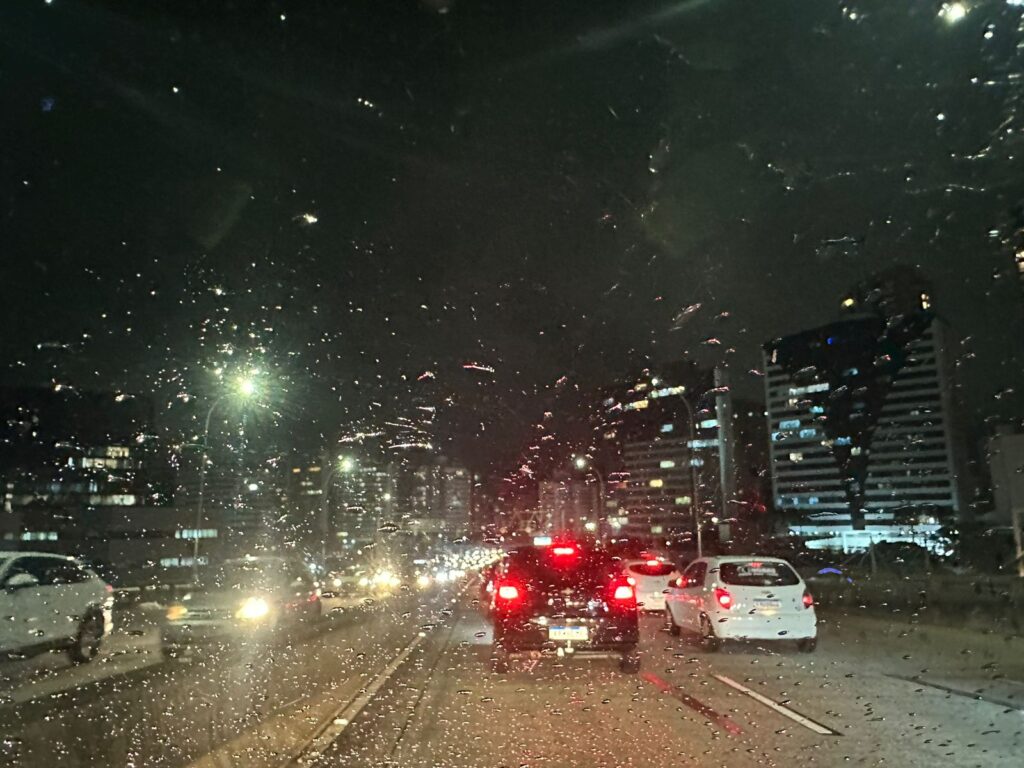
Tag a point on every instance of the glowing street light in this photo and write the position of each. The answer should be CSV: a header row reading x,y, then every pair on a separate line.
x,y
244,389
952,13
580,462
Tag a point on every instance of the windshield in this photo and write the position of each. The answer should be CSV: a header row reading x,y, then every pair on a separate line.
x,y
324,323
757,574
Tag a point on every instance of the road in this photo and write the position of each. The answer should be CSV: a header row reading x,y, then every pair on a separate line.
x,y
406,682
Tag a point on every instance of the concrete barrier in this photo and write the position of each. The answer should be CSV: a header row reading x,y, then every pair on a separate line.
x,y
985,603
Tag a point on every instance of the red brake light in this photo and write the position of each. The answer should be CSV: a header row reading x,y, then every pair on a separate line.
x,y
808,599
723,598
563,551
631,581
508,592
623,592
653,563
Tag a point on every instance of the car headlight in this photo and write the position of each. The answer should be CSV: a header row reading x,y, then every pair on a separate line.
x,y
253,609
176,612
423,581
364,582
336,582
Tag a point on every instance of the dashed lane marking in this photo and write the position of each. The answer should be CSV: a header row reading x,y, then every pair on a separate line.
x,y
785,711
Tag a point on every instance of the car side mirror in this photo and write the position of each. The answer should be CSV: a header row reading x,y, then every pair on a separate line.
x,y
21,581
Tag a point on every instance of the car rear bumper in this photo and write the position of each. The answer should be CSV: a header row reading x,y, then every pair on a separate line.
x,y
602,636
760,627
651,602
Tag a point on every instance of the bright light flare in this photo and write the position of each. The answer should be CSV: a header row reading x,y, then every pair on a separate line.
x,y
952,13
253,609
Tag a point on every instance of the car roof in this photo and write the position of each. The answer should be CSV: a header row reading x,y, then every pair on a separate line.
x,y
22,553
745,558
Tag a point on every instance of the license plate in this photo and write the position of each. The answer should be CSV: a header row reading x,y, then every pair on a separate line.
x,y
568,633
772,605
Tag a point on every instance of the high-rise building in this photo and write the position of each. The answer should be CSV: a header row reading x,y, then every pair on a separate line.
x,y
568,503
864,442
662,438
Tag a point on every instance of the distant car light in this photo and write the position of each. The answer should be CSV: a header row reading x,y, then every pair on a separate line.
x,y
336,582
177,612
423,581
253,609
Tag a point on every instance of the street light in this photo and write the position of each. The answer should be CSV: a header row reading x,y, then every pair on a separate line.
x,y
245,388
695,494
345,464
582,464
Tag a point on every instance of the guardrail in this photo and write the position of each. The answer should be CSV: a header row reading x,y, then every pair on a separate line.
x,y
989,603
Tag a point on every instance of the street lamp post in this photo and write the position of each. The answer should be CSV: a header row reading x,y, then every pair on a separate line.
x,y
695,493
582,464
246,388
333,469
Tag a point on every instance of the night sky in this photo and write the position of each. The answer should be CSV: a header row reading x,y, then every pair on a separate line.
x,y
350,194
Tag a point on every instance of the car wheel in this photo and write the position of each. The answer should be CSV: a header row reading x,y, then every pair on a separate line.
x,y
499,660
86,644
708,641
670,623
630,662
807,645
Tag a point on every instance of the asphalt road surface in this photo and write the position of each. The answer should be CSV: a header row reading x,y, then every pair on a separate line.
x,y
406,682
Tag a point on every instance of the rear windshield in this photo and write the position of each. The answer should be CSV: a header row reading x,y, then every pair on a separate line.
x,y
758,574
543,569
645,569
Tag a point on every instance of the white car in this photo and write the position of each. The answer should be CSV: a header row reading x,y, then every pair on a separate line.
x,y
741,598
648,577
52,601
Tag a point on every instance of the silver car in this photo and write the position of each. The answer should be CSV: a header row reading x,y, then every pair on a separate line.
x,y
244,600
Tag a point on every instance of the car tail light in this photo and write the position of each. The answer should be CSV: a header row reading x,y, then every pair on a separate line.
x,y
652,563
563,551
808,599
723,598
508,592
624,592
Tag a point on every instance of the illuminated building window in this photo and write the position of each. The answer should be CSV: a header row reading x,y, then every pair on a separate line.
x,y
790,424
667,427
805,433
708,424
796,456
196,533
697,462
682,500
926,301
667,464
656,483
848,302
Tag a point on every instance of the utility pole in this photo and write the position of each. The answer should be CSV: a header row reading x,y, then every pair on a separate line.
x,y
726,445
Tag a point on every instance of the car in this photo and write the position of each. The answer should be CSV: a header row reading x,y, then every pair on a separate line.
x,y
52,601
741,598
649,575
250,599
565,599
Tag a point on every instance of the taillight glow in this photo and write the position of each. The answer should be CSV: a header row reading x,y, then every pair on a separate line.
x,y
623,592
563,551
508,592
653,563
808,599
631,581
723,598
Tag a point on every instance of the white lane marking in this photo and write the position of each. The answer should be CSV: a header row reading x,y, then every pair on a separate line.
x,y
782,710
336,724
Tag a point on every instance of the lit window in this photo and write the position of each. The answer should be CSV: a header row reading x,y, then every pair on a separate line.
x,y
682,500
796,456
667,464
708,424
848,301
805,433
926,301
667,427
656,483
697,462
789,424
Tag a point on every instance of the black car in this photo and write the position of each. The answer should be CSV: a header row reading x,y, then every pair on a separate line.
x,y
564,599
